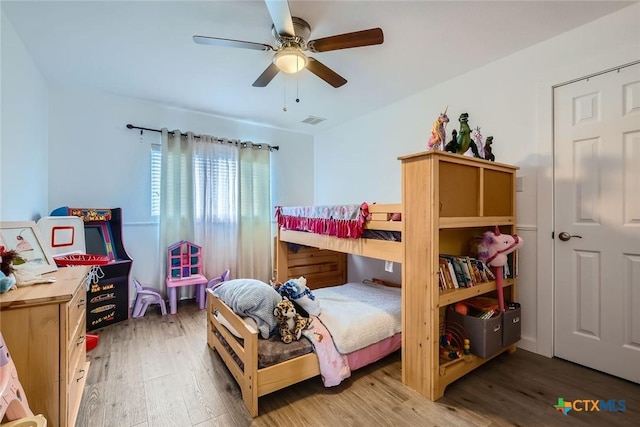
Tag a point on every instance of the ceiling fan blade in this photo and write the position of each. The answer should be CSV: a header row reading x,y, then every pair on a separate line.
x,y
215,41
325,73
281,17
266,76
348,40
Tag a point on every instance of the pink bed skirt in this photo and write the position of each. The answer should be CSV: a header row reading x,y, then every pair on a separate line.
x,y
345,221
374,352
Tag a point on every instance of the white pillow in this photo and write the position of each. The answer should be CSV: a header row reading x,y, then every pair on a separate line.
x,y
224,322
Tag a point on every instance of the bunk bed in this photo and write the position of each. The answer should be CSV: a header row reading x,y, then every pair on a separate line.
x,y
321,258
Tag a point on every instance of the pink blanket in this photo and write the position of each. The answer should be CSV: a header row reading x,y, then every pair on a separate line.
x,y
334,366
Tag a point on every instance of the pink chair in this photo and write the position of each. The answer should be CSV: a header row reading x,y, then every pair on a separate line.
x,y
144,296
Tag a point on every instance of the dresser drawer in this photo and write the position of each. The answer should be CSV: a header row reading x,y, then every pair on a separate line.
x,y
74,392
76,349
76,308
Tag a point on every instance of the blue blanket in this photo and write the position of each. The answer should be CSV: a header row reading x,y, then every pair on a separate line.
x,y
251,298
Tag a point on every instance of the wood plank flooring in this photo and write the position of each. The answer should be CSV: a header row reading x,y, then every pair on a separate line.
x,y
158,371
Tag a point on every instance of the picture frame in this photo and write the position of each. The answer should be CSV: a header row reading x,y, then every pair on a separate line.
x,y
24,237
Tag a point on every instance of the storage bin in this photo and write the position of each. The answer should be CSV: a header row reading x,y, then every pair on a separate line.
x,y
511,325
485,335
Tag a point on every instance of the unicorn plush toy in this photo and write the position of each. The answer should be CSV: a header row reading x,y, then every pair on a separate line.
x,y
494,250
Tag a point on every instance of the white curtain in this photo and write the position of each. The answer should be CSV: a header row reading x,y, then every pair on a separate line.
x,y
254,243
216,194
216,205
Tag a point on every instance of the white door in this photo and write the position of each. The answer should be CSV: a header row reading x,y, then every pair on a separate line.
x,y
597,202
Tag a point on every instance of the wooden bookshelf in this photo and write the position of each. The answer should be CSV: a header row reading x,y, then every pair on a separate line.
x,y
447,200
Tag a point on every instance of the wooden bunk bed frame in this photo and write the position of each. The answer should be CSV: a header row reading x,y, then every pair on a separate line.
x,y
322,266
287,266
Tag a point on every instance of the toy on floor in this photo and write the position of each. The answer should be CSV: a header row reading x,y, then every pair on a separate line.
x,y
13,401
290,323
184,268
146,296
296,290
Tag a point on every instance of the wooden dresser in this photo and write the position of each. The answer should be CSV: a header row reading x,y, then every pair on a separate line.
x,y
44,328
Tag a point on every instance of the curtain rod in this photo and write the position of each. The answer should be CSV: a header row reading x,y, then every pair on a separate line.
x,y
269,147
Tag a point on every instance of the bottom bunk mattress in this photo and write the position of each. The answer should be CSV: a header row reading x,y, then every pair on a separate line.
x,y
363,321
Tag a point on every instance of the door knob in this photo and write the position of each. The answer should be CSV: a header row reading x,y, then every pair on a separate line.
x,y
564,236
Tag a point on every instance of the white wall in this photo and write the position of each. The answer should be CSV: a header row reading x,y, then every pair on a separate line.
x,y
66,147
509,99
24,124
95,161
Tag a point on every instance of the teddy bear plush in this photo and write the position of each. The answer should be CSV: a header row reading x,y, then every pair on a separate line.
x,y
290,323
296,290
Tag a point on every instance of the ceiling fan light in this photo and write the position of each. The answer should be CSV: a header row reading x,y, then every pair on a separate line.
x,y
290,60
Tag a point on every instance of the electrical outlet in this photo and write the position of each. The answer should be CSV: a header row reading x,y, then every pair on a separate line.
x,y
519,184
388,266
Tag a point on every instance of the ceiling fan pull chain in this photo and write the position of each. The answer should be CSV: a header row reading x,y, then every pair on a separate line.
x,y
298,87
284,85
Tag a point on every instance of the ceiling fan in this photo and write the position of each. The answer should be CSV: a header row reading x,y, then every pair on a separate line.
x,y
291,37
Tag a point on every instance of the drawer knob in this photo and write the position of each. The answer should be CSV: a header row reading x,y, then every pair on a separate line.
x,y
81,339
81,303
81,377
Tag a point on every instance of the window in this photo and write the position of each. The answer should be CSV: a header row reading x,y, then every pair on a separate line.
x,y
215,186
215,189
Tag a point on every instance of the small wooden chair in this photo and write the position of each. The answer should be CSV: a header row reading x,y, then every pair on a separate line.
x,y
145,296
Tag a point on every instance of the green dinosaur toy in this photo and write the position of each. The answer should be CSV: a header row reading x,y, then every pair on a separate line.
x,y
464,137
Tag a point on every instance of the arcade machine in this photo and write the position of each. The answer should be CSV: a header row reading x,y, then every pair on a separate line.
x,y
108,292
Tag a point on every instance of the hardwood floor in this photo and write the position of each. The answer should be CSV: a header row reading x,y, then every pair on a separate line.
x,y
158,371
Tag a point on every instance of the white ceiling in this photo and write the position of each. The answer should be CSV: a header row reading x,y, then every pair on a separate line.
x,y
144,49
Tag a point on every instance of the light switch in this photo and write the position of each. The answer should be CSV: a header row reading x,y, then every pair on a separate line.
x,y
518,183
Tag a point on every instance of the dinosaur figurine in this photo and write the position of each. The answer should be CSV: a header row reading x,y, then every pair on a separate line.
x,y
452,146
464,137
438,133
488,151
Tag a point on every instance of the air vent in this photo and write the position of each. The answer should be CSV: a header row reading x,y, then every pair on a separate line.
x,y
313,120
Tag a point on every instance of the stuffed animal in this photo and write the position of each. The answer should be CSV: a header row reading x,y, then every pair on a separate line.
x,y
496,246
296,290
7,277
290,323
493,250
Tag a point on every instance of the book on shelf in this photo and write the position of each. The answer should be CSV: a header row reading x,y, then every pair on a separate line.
x,y
482,307
447,272
441,283
461,278
468,277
